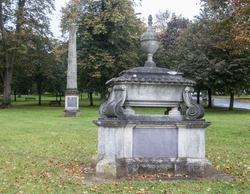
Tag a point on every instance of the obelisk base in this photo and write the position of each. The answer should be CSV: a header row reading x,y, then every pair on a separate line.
x,y
71,113
71,103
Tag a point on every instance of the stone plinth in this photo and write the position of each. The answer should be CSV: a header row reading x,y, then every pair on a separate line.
x,y
128,148
71,103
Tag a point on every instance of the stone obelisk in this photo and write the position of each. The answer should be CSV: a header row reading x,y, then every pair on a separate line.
x,y
72,94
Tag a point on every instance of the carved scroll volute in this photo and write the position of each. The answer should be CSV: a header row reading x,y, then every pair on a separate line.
x,y
113,107
194,111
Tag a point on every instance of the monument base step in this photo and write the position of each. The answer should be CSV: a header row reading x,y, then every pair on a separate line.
x,y
124,167
71,113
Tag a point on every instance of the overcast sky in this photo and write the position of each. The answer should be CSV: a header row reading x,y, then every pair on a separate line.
x,y
188,9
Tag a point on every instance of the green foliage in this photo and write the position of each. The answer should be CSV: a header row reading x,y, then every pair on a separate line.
x,y
22,24
173,30
232,17
37,68
211,66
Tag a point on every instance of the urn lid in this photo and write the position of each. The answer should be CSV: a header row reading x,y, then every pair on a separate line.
x,y
151,75
150,37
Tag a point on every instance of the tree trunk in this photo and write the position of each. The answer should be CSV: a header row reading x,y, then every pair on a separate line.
x,y
40,99
15,95
209,105
231,105
91,98
39,90
198,96
6,100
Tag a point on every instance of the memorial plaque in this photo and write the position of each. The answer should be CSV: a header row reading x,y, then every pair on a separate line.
x,y
72,102
155,142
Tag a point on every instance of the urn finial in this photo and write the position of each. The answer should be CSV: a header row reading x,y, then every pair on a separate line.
x,y
150,42
150,19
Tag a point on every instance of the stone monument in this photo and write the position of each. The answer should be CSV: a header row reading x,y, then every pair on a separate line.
x,y
132,144
72,94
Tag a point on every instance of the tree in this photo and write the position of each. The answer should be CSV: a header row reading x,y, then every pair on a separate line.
x,y
187,52
162,19
20,21
22,81
233,17
232,23
37,69
168,26
195,53
173,30
57,82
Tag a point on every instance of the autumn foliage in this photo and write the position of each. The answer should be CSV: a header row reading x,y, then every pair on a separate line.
x,y
233,17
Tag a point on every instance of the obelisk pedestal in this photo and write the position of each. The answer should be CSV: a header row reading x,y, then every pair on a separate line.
x,y
72,94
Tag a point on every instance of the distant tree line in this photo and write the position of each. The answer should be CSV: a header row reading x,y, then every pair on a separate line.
x,y
212,49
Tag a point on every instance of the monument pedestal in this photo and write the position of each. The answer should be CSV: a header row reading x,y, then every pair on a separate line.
x,y
71,103
128,148
71,113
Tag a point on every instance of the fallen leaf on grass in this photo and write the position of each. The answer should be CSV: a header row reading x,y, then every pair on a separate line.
x,y
217,168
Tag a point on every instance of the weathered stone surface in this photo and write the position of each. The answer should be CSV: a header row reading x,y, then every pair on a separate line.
x,y
195,111
151,75
132,167
91,178
112,108
150,42
191,141
180,166
95,160
71,93
150,87
132,147
123,167
155,165
107,168
155,142
72,59
199,167
71,113
158,122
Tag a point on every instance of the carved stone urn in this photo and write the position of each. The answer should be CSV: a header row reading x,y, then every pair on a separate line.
x,y
150,43
132,144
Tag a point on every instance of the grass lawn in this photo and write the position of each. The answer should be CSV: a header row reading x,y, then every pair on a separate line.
x,y
41,151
